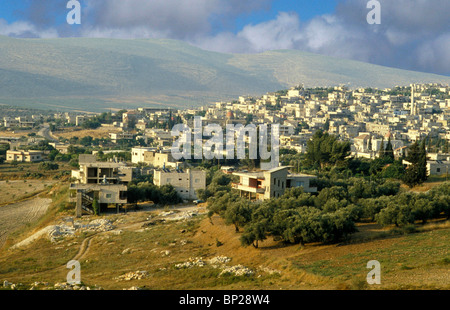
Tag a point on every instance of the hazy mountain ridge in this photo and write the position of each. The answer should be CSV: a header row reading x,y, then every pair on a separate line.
x,y
128,73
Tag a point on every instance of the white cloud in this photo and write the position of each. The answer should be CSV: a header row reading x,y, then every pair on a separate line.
x,y
281,33
324,34
25,29
414,34
178,19
434,55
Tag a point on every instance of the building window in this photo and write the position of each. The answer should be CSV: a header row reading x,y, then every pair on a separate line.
x,y
274,181
438,170
108,196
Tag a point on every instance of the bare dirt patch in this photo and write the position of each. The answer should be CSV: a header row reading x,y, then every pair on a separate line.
x,y
15,134
102,132
16,190
15,216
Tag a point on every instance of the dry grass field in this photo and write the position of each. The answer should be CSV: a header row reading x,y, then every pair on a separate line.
x,y
32,174
101,132
408,261
419,260
15,134
17,190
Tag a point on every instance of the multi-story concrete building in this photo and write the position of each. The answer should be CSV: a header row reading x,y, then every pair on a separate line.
x,y
138,154
272,183
116,136
186,183
154,157
105,182
95,172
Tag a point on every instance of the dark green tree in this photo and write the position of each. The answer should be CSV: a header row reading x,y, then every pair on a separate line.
x,y
422,163
325,150
238,214
416,172
389,151
381,152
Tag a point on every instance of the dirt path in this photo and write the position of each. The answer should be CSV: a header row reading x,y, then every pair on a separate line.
x,y
16,215
84,248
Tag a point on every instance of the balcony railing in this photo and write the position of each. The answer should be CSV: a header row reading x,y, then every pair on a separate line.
x,y
246,188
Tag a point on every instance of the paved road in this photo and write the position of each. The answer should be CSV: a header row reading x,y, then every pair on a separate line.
x,y
45,132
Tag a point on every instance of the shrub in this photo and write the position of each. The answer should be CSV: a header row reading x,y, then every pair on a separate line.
x,y
96,207
48,166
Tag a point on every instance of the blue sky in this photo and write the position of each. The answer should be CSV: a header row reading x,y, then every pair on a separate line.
x,y
13,11
305,9
413,34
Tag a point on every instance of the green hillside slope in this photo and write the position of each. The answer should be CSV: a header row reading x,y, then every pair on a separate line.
x,y
98,74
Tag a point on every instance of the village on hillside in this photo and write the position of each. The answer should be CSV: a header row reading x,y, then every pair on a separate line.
x,y
138,142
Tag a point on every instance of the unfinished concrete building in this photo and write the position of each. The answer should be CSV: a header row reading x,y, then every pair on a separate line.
x,y
105,182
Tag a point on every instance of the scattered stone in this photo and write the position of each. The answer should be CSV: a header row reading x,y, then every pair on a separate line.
x,y
192,262
174,216
57,232
37,283
167,213
219,260
138,275
216,262
237,270
72,287
165,253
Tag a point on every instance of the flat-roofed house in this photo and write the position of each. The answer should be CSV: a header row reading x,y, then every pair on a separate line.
x,y
24,156
155,157
137,154
438,167
272,183
185,182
